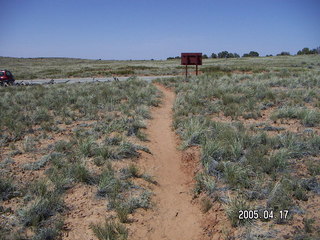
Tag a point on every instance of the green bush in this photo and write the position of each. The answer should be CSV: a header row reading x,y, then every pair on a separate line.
x,y
41,209
233,207
279,198
276,162
143,200
236,175
80,173
109,185
110,230
205,183
7,188
122,213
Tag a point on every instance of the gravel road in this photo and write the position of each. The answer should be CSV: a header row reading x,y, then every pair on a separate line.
x,y
82,80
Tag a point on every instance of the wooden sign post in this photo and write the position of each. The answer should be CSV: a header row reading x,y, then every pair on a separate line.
x,y
191,59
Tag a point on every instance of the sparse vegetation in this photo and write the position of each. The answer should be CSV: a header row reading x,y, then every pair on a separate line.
x,y
257,130
103,119
110,230
255,121
41,209
234,206
7,188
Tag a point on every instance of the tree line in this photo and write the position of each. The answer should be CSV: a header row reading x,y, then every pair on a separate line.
x,y
226,54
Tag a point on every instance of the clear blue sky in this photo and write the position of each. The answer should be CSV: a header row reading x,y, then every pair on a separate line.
x,y
145,29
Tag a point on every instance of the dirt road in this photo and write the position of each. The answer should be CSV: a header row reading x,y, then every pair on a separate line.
x,y
174,216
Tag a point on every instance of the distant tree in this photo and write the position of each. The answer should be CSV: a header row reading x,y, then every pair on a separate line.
x,y
270,55
314,51
254,54
251,54
303,51
223,54
306,51
284,54
170,58
230,55
236,55
177,57
213,55
204,56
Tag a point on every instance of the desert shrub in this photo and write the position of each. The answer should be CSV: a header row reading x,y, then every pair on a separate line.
x,y
279,198
300,146
143,200
87,147
115,140
193,131
204,183
41,209
109,185
7,188
236,175
110,230
276,162
41,115
256,157
48,233
233,207
128,150
54,156
308,225
300,193
313,168
131,171
5,162
105,152
311,118
134,170
63,146
61,179
39,188
63,174
288,112
134,126
230,140
296,187
143,111
122,213
99,161
80,173
28,144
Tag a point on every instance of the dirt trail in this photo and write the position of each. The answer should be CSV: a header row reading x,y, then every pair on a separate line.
x,y
174,216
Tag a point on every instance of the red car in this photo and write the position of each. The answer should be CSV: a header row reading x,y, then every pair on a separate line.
x,y
6,77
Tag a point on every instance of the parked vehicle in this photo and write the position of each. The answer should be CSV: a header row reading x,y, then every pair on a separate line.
x,y
6,77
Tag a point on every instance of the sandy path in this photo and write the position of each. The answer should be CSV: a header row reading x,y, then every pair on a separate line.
x,y
84,208
173,216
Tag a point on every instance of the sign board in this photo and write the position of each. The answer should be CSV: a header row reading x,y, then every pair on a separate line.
x,y
191,58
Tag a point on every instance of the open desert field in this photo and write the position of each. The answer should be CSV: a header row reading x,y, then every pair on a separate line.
x,y
51,68
233,153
